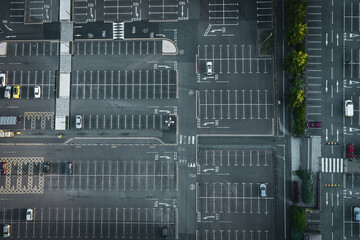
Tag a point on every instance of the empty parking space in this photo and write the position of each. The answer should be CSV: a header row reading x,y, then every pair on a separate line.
x,y
27,80
228,189
91,222
160,10
235,158
235,104
115,10
224,12
120,175
234,59
147,84
117,47
32,48
124,122
84,10
41,11
264,13
314,67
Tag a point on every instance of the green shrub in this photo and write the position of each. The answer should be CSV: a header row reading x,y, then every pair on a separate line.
x,y
297,218
295,62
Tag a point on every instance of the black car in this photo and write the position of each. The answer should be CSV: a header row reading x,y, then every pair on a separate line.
x,y
68,168
46,167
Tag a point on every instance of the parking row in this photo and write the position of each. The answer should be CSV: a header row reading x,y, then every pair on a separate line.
x,y
232,59
144,47
351,16
234,104
39,120
124,122
127,10
148,84
264,14
27,80
235,158
41,48
314,66
88,222
126,175
33,11
231,198
229,234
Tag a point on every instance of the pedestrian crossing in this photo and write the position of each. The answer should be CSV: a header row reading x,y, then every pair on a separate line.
x,y
332,165
186,139
118,30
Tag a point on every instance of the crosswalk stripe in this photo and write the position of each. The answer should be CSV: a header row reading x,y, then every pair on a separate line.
x,y
332,165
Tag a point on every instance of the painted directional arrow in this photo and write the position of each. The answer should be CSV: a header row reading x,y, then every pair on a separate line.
x,y
326,86
353,35
353,129
337,39
353,82
326,40
337,86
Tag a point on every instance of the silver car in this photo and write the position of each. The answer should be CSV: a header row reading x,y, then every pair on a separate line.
x,y
37,92
79,122
7,93
29,214
209,68
357,214
7,230
262,190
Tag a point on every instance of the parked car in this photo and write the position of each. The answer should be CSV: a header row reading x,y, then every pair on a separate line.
x,y
164,232
262,190
2,79
209,68
357,214
2,168
29,214
7,230
7,93
350,150
68,168
313,124
78,122
16,91
46,167
349,108
37,92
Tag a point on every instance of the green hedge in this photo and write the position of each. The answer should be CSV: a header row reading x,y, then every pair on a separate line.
x,y
308,187
298,218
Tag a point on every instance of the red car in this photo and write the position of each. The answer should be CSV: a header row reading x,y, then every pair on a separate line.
x,y
2,168
313,124
350,150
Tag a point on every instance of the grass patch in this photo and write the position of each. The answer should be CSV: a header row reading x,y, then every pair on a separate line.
x,y
267,42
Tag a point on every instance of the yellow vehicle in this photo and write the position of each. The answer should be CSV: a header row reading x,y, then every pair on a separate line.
x,y
16,91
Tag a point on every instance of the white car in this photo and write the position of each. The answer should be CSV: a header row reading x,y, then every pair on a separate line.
x,y
78,122
209,68
262,190
37,92
29,214
2,79
349,108
357,214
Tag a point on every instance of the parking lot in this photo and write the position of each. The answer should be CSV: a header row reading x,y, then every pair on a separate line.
x,y
228,194
27,80
91,222
146,84
117,47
